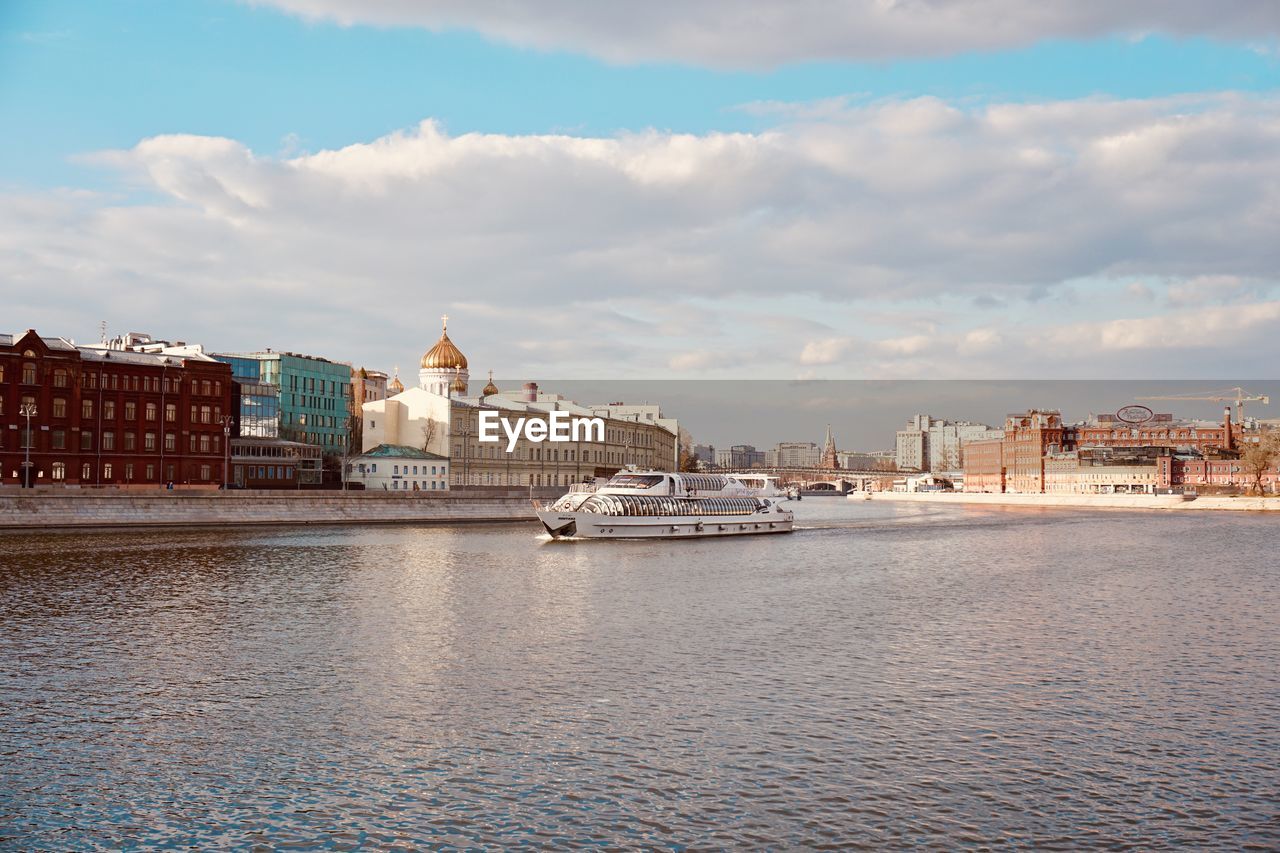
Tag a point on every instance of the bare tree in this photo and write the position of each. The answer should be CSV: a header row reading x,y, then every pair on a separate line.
x,y
429,428
687,459
1259,457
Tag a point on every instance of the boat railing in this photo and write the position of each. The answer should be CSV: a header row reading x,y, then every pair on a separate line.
x,y
582,488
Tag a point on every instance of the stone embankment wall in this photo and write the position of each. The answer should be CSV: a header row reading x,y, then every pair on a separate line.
x,y
1169,502
71,508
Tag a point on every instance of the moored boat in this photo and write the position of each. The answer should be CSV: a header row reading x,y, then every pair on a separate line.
x,y
662,505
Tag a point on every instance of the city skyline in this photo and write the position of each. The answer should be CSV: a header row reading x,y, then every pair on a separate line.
x,y
783,194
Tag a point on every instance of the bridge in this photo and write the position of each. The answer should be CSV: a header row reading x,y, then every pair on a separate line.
x,y
834,480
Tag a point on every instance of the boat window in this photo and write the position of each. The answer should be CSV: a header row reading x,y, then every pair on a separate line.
x,y
635,481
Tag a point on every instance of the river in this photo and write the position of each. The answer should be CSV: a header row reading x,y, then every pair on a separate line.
x,y
888,675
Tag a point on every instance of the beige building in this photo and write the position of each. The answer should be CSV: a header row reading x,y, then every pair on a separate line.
x,y
440,417
1102,470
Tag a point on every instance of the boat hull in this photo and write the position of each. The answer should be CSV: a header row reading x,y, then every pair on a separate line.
x,y
589,525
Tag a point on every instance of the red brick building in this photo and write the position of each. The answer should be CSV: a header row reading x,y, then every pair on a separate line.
x,y
984,466
1027,438
1191,473
1161,431
110,417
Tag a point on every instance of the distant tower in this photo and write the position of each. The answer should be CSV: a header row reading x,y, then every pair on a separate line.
x,y
829,459
444,367
396,386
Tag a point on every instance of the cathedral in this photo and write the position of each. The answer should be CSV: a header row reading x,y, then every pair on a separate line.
x,y
444,367
439,418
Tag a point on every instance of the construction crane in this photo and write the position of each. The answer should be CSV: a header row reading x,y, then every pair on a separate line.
x,y
1230,395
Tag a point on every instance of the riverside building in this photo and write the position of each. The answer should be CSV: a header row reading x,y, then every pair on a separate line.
x,y
1039,454
314,397
440,416
110,414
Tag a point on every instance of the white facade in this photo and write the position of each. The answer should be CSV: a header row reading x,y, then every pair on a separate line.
x,y
798,454
912,450
399,469
414,418
932,444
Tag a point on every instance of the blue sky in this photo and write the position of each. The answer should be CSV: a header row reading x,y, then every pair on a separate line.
x,y
80,76
918,200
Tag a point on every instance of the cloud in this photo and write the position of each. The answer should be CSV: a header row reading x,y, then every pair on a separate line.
x,y
754,33
882,223
1213,328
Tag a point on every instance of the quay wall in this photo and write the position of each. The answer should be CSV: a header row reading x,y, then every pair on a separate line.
x,y
28,509
1166,502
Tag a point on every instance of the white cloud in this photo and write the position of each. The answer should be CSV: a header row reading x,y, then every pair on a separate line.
x,y
751,33
1223,327
637,253
826,350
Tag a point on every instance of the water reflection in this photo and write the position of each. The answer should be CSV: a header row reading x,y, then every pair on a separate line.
x,y
885,675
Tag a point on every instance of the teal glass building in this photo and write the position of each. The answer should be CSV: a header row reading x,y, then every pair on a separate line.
x,y
314,396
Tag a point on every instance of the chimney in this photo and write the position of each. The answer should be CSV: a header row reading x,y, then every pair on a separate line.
x,y
1226,428
531,392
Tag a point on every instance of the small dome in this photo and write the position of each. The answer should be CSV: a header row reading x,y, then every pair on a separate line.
x,y
444,355
395,386
459,385
490,389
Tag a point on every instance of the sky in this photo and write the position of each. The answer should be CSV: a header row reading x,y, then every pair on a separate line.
x,y
707,189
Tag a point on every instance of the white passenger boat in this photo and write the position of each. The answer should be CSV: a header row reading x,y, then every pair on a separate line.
x,y
762,485
661,505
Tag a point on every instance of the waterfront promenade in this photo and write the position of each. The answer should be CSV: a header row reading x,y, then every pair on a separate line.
x,y
54,509
1243,503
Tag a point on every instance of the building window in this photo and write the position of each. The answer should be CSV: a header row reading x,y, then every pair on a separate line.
x,y
86,472
58,439
86,439
170,442
151,473
59,378
205,415
149,441
108,440
89,380
28,373
170,412
109,410
130,441
86,410
130,411
106,470
128,472
59,407
151,411
205,472
204,443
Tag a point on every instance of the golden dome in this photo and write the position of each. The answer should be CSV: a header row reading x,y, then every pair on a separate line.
x,y
490,389
459,385
396,386
444,354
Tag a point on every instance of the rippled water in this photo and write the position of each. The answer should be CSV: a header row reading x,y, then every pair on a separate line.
x,y
889,675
